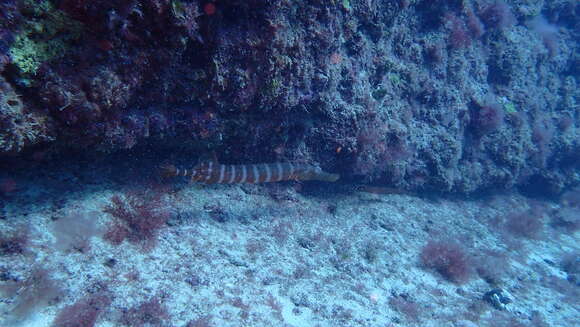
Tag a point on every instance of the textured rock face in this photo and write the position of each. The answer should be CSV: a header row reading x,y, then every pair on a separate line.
x,y
420,95
21,125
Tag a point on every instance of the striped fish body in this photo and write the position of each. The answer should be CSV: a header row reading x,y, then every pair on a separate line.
x,y
212,172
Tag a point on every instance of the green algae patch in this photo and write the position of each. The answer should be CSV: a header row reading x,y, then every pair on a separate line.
x,y
510,108
46,34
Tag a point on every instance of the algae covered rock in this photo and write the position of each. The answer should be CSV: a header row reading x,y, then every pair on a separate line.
x,y
20,126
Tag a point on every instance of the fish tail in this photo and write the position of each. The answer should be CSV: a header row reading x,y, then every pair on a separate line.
x,y
326,177
168,171
316,174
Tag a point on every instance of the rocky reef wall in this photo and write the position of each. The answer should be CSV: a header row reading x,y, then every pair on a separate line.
x,y
446,96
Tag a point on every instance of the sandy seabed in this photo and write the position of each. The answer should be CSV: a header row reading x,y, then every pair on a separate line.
x,y
280,255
